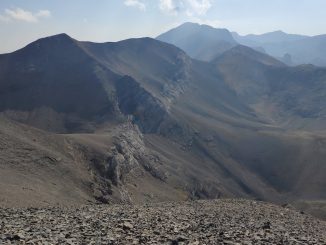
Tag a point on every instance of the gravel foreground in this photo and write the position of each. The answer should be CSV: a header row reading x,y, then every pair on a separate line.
x,y
199,222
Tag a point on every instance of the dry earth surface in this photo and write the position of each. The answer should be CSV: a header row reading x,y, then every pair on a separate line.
x,y
198,222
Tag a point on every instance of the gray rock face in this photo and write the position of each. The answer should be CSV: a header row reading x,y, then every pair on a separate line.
x,y
128,146
201,222
127,158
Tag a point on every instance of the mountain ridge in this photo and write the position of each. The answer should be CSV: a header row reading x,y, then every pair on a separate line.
x,y
205,43
147,122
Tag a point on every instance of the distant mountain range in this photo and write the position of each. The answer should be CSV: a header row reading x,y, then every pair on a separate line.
x,y
140,121
199,40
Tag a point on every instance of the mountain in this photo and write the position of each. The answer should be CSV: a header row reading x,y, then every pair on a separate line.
x,y
138,81
206,43
270,37
309,51
140,121
290,97
54,77
302,49
199,41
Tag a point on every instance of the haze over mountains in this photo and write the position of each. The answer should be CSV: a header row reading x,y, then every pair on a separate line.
x,y
289,48
142,120
202,42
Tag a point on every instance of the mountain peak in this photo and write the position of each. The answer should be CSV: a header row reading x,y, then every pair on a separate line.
x,y
62,37
191,26
57,41
201,42
278,32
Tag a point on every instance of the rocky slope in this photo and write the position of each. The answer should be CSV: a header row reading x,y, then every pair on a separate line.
x,y
200,222
140,121
38,168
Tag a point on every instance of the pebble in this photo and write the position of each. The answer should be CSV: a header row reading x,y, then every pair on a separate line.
x,y
197,222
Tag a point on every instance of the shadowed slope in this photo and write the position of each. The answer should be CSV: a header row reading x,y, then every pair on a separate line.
x,y
54,76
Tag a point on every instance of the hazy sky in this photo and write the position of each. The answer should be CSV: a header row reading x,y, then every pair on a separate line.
x,y
23,21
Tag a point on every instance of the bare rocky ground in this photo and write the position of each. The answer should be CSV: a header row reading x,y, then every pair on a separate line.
x,y
198,222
